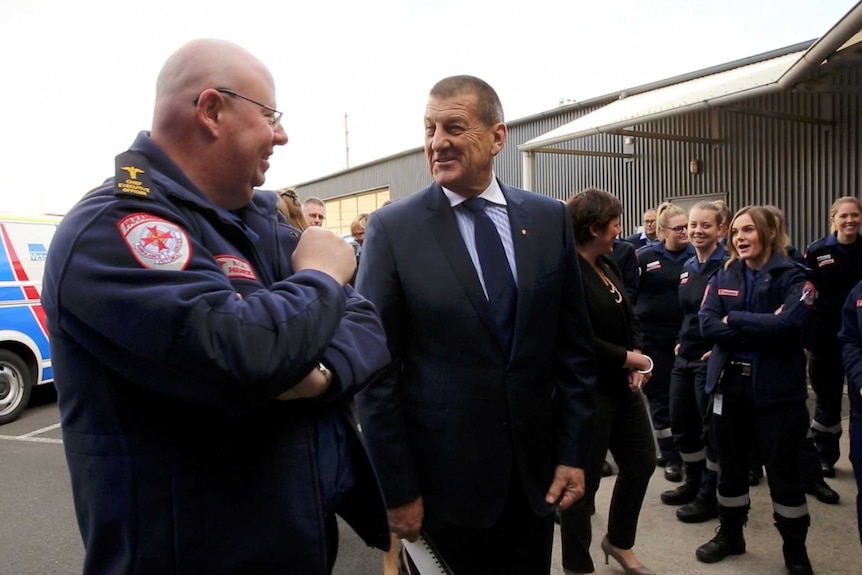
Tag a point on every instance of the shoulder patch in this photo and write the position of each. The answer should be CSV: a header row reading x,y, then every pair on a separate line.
x,y
233,267
132,175
859,303
155,242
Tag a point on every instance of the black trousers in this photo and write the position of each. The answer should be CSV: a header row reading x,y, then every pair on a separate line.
x,y
518,543
689,420
659,344
826,371
688,408
779,431
622,425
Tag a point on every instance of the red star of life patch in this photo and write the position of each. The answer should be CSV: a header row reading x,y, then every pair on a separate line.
x,y
155,242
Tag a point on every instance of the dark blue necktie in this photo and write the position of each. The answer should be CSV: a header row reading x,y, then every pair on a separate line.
x,y
499,283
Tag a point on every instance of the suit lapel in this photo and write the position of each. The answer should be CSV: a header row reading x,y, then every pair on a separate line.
x,y
441,220
526,257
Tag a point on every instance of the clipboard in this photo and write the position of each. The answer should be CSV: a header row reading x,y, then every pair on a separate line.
x,y
425,557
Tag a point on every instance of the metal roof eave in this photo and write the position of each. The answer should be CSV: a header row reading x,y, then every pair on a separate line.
x,y
767,76
700,93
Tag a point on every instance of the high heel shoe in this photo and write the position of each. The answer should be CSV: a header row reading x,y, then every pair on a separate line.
x,y
610,550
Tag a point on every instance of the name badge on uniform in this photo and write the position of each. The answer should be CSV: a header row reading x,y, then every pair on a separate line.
x,y
716,403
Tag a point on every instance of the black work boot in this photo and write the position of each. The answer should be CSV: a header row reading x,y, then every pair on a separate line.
x,y
698,511
686,492
728,538
794,532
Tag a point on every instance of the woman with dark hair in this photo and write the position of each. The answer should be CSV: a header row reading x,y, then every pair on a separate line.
x,y
621,420
660,314
755,310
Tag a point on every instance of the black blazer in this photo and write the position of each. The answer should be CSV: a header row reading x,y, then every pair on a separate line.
x,y
456,415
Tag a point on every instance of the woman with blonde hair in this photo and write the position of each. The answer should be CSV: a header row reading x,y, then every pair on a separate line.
x,y
836,262
660,314
289,206
689,402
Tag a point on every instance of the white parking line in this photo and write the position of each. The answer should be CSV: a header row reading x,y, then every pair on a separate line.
x,y
41,431
31,436
32,439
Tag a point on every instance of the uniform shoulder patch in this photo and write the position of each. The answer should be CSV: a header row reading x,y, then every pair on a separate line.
x,y
233,267
155,242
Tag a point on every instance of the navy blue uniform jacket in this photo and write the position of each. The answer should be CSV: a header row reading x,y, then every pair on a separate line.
x,y
172,330
455,415
851,340
773,340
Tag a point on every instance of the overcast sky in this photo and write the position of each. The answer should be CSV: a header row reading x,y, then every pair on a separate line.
x,y
78,76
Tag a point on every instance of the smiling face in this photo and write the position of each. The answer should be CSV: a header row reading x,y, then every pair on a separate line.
x,y
676,233
604,241
253,135
752,248
703,230
846,219
459,147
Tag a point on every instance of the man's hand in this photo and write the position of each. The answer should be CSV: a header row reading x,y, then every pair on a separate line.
x,y
567,486
405,521
312,385
321,250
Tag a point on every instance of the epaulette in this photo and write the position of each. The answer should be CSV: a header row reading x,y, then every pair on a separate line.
x,y
132,175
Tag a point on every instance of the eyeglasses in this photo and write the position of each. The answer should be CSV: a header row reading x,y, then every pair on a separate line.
x,y
289,193
274,119
677,229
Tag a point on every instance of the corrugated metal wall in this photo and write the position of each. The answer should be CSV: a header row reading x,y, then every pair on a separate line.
x,y
799,166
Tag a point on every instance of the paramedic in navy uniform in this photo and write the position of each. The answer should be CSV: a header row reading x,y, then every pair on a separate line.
x,y
836,262
755,310
688,398
660,315
205,354
851,338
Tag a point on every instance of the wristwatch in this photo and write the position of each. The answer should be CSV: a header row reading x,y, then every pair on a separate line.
x,y
327,373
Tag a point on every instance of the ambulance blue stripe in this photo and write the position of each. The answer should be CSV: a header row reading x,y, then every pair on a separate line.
x,y
21,319
6,271
12,294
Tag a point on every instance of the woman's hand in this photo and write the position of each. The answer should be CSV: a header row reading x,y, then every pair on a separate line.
x,y
636,380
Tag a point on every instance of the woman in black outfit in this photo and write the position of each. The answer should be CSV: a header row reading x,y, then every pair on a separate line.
x,y
621,420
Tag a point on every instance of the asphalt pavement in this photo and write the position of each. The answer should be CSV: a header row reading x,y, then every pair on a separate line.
x,y
39,536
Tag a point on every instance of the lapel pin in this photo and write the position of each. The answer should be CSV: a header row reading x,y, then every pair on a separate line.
x,y
523,232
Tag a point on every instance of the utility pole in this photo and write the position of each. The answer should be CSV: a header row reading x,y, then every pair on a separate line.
x,y
346,143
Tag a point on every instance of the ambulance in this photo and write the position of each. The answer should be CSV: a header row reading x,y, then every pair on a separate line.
x,y
25,357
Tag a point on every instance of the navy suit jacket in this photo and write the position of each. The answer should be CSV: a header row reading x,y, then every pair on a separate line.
x,y
456,415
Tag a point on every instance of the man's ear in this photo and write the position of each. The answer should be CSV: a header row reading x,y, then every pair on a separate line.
x,y
501,133
209,110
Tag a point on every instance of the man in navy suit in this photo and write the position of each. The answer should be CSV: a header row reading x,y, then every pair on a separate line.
x,y
642,238
481,427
